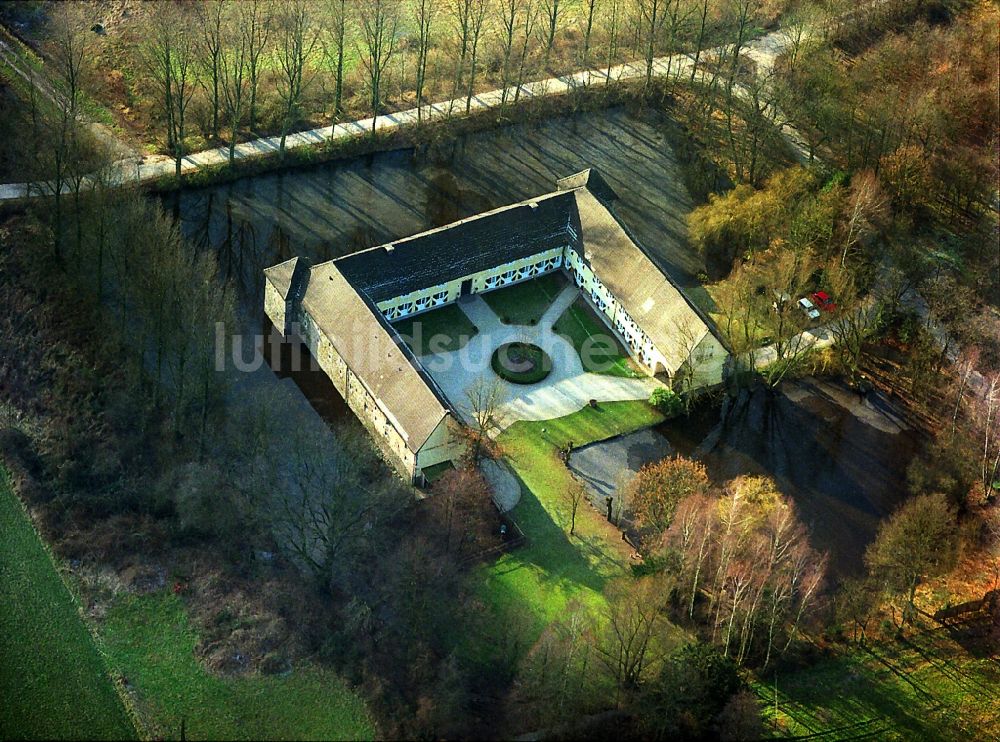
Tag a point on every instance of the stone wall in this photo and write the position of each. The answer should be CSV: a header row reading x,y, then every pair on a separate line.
x,y
378,421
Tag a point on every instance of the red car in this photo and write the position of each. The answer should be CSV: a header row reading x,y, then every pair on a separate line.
x,y
822,300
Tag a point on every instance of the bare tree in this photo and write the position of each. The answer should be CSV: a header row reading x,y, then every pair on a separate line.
x,y
551,10
588,29
379,20
677,14
297,36
762,575
614,23
528,27
476,20
652,14
212,18
855,319
867,208
463,501
988,415
171,58
573,496
64,158
485,399
257,21
460,12
425,14
233,77
507,22
323,504
555,680
700,39
743,13
333,47
631,620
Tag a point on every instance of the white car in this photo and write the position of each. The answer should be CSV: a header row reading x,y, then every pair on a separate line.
x,y
809,308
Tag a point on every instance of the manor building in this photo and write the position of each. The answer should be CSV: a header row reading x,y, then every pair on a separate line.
x,y
342,309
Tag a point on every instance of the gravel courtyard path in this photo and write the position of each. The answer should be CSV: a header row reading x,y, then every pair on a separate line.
x,y
567,389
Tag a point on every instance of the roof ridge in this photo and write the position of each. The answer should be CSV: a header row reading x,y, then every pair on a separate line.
x,y
451,225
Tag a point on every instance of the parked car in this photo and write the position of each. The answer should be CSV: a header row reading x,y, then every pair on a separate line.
x,y
822,300
809,308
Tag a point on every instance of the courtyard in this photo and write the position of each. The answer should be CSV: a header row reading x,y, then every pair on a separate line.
x,y
544,305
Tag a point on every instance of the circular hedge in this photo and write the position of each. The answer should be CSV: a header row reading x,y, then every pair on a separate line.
x,y
521,363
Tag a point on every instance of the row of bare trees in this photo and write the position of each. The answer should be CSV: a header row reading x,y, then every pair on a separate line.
x,y
259,55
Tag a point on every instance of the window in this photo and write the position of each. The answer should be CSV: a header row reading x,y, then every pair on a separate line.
x,y
507,277
440,297
491,282
405,308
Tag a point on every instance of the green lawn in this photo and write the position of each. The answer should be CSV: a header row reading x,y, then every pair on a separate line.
x,y
525,303
437,331
53,682
599,349
150,641
534,584
929,687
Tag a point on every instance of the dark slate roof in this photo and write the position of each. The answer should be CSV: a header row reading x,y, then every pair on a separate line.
x,y
478,243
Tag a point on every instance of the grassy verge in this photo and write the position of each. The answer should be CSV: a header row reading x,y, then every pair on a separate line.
x,y
53,682
525,303
598,348
437,331
534,584
927,687
150,641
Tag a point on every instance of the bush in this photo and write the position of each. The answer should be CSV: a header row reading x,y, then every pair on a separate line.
x,y
666,401
521,363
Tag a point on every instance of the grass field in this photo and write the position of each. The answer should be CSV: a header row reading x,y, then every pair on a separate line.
x,y
525,303
927,687
150,642
53,682
535,583
439,330
599,350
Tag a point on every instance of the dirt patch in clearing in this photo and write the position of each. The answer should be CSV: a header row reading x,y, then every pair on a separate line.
x,y
841,457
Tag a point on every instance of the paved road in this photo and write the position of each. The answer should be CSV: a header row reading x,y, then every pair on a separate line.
x,y
506,487
604,467
567,389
